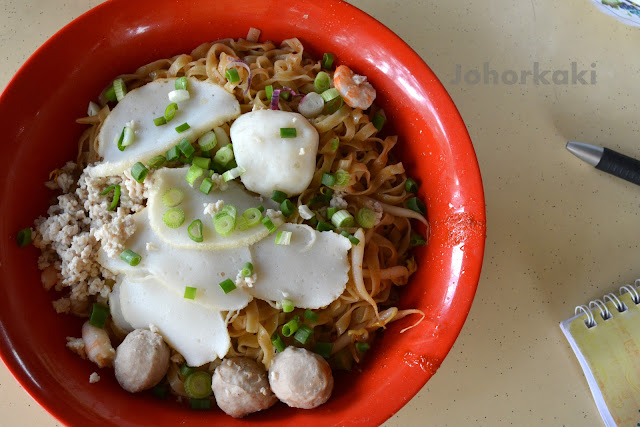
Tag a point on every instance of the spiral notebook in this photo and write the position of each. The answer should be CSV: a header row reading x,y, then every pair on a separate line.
x,y
605,336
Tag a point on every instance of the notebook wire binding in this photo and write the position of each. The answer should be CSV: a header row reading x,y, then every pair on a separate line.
x,y
600,304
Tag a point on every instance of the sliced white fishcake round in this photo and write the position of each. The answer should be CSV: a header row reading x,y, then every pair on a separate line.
x,y
198,333
193,207
178,268
209,106
273,162
312,271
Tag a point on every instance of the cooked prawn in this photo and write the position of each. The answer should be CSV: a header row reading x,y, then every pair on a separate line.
x,y
356,91
97,345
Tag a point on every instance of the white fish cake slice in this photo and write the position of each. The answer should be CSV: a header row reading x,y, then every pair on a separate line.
x,y
198,333
209,106
312,271
193,207
273,162
179,267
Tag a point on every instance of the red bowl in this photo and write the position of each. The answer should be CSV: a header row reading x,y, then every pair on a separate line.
x,y
52,89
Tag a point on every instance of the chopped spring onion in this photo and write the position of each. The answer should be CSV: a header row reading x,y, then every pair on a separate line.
x,y
313,221
233,173
331,211
276,340
170,111
327,61
417,240
247,270
416,205
193,174
120,89
334,144
343,219
128,137
99,315
285,94
362,347
330,94
378,121
322,82
268,92
231,210
156,161
342,177
172,197
328,179
182,127
186,147
232,75
120,139
179,95
411,186
173,218
224,155
267,223
198,385
334,105
327,193
252,217
195,231
366,217
116,195
182,83
311,315
305,212
287,208
324,226
283,238
206,186
160,392
173,154
139,172
227,286
303,334
190,292
352,239
260,208
200,404
290,327
278,196
287,305
130,257
159,121
202,162
208,141
288,132
242,224
186,370
324,349
24,237
110,94
311,105
224,223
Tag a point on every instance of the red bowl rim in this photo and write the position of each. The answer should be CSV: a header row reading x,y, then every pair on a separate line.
x,y
445,106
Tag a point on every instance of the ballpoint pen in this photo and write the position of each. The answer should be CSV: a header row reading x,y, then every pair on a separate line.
x,y
607,160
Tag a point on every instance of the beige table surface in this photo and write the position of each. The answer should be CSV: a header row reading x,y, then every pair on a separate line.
x,y
559,232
